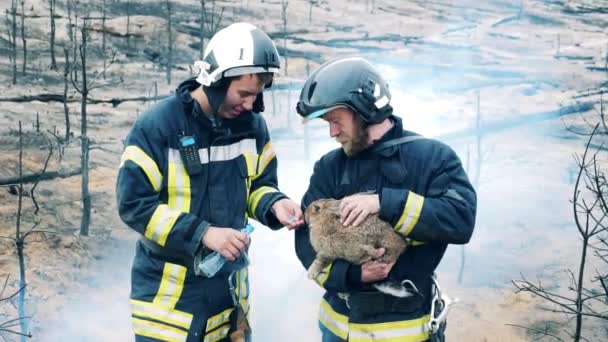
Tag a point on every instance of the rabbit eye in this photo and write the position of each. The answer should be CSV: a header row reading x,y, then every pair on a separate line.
x,y
316,208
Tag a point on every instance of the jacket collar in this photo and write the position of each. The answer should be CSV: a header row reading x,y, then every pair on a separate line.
x,y
394,132
193,108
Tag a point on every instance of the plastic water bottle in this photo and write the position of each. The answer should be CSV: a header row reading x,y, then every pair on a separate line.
x,y
214,262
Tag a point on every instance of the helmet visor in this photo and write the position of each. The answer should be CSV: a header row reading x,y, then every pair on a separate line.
x,y
319,113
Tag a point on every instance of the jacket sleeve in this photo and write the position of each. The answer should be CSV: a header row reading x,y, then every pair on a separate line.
x,y
445,213
340,275
139,184
264,190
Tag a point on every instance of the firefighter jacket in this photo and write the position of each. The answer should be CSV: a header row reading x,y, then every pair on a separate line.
x,y
426,196
171,209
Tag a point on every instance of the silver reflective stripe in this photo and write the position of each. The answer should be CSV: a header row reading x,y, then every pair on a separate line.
x,y
158,331
329,319
217,335
144,309
413,206
377,335
218,319
228,152
164,218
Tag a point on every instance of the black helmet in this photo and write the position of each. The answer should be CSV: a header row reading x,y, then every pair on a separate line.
x,y
238,49
350,82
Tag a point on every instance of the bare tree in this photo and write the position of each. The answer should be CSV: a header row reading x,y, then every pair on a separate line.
x,y
23,40
311,4
69,5
103,38
84,139
7,326
21,236
128,9
13,39
52,4
66,109
84,89
590,211
284,4
584,299
19,239
169,65
209,25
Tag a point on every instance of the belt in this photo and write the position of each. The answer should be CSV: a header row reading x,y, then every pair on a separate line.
x,y
166,253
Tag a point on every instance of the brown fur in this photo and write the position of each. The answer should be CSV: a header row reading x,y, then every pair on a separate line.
x,y
356,244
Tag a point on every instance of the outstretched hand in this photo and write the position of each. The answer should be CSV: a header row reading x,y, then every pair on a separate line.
x,y
288,213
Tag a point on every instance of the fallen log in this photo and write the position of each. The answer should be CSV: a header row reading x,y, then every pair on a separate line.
x,y
59,98
39,177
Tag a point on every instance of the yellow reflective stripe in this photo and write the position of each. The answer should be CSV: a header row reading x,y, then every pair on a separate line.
x,y
217,335
411,213
335,322
161,223
219,319
243,282
256,196
323,275
414,330
171,285
159,313
158,331
411,242
245,306
265,158
145,162
252,163
178,183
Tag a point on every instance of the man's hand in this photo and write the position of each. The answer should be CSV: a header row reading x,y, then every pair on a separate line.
x,y
288,213
355,208
373,271
226,241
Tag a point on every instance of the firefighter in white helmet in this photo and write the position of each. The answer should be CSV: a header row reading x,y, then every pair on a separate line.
x,y
196,167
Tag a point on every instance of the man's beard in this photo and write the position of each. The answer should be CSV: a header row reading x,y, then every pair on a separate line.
x,y
359,142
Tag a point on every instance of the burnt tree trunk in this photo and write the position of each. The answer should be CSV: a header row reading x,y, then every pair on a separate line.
x,y
169,43
23,41
284,4
13,39
52,38
84,143
19,244
103,39
66,108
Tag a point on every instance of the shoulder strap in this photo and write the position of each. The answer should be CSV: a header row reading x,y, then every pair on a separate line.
x,y
397,141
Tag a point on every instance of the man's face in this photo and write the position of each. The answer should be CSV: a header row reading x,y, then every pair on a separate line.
x,y
240,96
347,129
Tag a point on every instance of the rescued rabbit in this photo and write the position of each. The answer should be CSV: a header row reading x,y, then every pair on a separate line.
x,y
356,244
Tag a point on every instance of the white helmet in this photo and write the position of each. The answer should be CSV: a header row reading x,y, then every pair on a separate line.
x,y
238,49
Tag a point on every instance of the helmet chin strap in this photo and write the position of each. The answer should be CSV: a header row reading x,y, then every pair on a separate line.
x,y
216,95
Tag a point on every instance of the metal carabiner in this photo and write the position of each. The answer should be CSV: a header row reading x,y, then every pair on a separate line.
x,y
232,289
443,302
